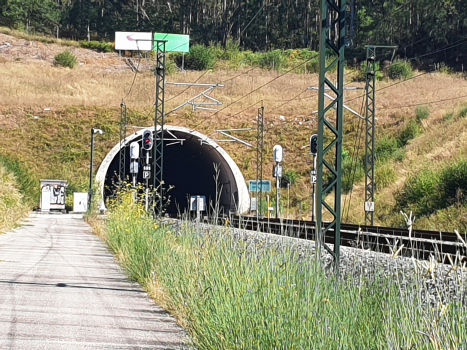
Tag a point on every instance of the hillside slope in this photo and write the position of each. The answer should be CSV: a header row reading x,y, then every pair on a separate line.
x,y
54,143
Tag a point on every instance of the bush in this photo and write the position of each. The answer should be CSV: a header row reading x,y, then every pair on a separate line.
x,y
448,116
384,175
422,112
200,58
420,193
97,46
411,131
453,184
274,59
65,59
400,70
428,191
463,112
386,147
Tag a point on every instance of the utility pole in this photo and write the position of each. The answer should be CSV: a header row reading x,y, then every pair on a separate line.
x,y
158,183
370,118
332,43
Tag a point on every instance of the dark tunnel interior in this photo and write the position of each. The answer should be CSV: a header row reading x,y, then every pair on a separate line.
x,y
190,169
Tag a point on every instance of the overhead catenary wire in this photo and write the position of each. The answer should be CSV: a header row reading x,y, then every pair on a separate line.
x,y
202,75
353,166
265,84
425,103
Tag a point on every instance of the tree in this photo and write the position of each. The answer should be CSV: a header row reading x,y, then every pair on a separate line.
x,y
42,15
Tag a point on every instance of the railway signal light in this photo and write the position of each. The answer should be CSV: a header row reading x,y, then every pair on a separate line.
x,y
314,144
147,140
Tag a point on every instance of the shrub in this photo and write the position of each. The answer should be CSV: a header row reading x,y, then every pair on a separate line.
x,y
200,58
97,46
422,112
400,70
65,59
386,147
274,59
453,184
463,112
420,193
448,116
411,131
384,175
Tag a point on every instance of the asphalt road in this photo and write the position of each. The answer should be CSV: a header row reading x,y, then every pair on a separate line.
x,y
60,288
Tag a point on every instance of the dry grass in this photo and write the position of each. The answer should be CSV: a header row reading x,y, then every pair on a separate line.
x,y
30,84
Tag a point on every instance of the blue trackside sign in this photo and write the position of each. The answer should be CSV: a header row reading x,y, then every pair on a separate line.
x,y
259,186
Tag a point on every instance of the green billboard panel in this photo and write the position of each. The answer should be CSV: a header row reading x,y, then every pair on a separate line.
x,y
175,42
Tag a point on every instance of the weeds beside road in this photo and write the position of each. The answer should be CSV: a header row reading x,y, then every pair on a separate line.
x,y
234,294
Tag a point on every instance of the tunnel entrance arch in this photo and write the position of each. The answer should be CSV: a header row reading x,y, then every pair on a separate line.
x,y
190,167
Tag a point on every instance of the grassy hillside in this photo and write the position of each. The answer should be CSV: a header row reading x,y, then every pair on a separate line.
x,y
420,122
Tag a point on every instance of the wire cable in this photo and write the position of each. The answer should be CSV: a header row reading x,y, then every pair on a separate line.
x,y
356,153
260,87
424,103
202,75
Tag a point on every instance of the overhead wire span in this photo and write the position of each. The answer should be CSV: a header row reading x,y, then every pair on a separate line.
x,y
202,75
260,87
353,166
136,70
425,103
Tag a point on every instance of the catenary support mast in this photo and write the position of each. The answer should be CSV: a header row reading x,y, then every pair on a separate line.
x,y
158,183
330,125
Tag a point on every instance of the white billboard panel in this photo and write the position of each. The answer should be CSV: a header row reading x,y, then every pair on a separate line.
x,y
133,41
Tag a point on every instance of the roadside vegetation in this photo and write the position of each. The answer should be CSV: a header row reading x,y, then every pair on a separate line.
x,y
233,294
12,206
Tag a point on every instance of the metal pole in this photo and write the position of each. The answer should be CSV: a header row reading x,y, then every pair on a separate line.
x,y
259,160
370,135
277,190
329,162
91,170
158,183
313,198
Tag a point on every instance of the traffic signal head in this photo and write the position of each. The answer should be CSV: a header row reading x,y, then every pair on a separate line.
x,y
314,144
147,140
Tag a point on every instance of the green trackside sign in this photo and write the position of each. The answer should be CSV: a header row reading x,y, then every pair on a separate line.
x,y
175,42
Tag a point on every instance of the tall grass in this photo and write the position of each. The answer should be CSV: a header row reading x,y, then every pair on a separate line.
x,y
12,208
233,293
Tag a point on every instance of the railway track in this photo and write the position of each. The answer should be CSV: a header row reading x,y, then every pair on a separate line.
x,y
446,247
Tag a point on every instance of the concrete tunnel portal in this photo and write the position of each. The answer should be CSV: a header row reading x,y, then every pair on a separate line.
x,y
189,167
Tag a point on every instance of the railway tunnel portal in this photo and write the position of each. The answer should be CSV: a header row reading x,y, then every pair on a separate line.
x,y
190,163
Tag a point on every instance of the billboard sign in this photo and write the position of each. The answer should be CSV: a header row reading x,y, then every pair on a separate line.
x,y
175,42
133,41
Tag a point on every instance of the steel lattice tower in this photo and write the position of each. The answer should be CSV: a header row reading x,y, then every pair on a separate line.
x,y
123,131
330,124
259,160
370,135
158,184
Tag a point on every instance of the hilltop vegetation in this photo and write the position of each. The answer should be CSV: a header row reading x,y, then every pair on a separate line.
x,y
420,125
